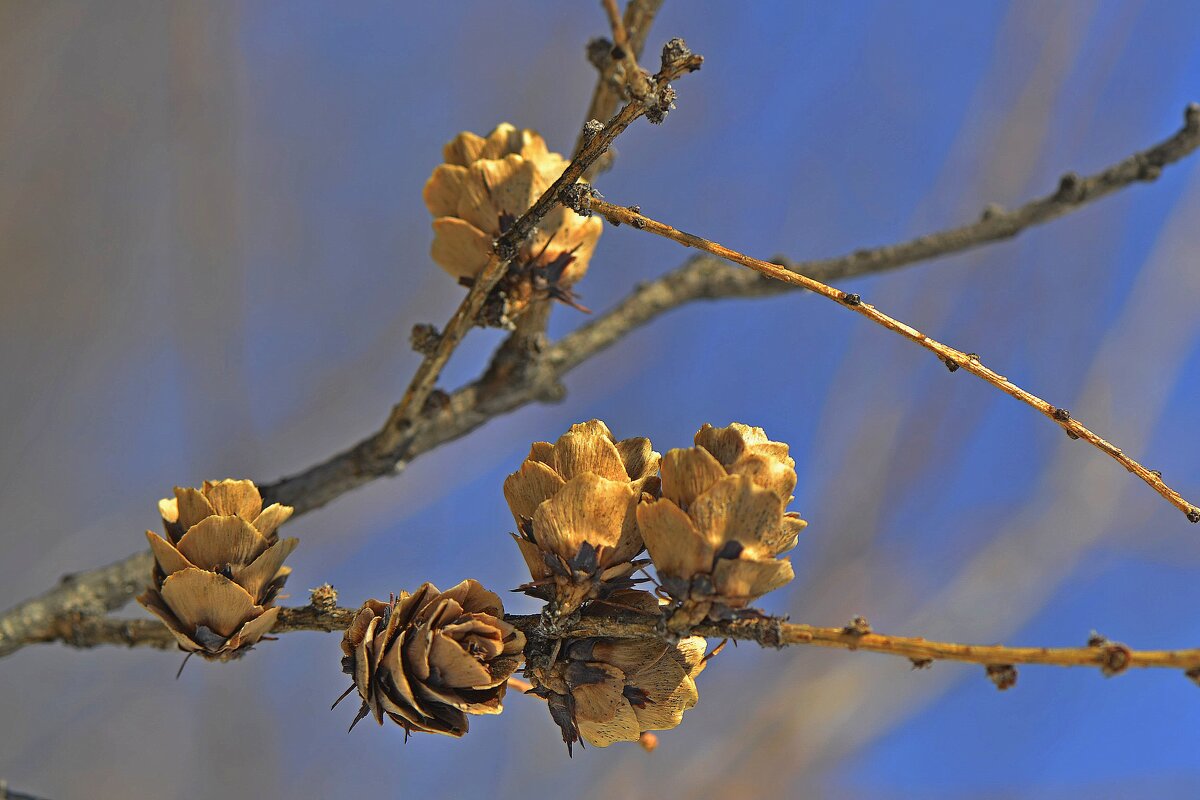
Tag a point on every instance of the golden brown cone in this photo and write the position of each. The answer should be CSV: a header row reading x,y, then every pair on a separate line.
x,y
609,690
715,534
428,659
484,185
746,450
219,569
574,504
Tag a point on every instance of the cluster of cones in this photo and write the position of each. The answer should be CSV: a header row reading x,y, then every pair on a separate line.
x,y
712,520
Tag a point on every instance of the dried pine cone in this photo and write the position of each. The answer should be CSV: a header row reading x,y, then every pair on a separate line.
x,y
604,690
428,659
220,568
715,534
479,192
743,450
574,504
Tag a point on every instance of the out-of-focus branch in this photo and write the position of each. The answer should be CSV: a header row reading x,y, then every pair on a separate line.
x,y
634,26
12,794
1112,658
996,224
702,278
584,200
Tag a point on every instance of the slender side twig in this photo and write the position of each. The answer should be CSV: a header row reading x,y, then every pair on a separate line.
x,y
615,21
639,16
505,249
703,277
87,631
952,358
637,82
526,343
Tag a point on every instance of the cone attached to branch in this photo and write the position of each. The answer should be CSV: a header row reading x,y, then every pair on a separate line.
x,y
220,568
483,187
605,690
428,659
575,504
715,534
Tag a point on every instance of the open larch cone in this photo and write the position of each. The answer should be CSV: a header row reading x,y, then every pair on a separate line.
x,y
220,568
427,660
605,690
483,187
715,533
575,504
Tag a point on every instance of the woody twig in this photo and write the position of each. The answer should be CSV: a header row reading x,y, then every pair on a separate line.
x,y
1099,653
585,200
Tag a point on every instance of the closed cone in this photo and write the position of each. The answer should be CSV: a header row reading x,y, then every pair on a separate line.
x,y
219,569
575,505
483,187
715,533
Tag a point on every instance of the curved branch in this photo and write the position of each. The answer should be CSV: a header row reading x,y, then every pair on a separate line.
x,y
995,224
702,278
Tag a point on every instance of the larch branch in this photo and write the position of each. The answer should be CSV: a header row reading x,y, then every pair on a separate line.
x,y
1111,657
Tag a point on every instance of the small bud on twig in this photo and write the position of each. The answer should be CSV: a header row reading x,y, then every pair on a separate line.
x,y
859,626
323,598
592,127
1191,116
675,52
599,53
1069,186
1003,675
578,198
425,338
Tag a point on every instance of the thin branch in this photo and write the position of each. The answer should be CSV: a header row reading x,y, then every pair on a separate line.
x,y
616,23
639,16
637,82
995,224
1111,657
527,341
505,250
103,589
952,358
